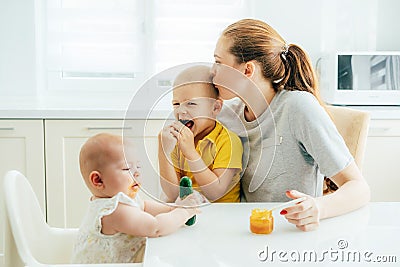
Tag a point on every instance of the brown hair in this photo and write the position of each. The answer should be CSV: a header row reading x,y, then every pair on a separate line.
x,y
287,66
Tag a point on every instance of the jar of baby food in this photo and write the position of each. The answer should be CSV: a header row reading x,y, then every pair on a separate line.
x,y
261,221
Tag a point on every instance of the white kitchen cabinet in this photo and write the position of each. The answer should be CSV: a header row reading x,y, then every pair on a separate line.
x,y
381,166
67,195
22,149
47,152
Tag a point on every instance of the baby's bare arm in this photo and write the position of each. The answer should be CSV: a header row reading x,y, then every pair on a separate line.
x,y
134,221
192,200
155,208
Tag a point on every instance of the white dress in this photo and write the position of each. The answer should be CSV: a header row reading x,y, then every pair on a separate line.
x,y
92,246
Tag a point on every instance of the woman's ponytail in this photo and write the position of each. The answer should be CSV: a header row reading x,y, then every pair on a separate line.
x,y
287,66
299,73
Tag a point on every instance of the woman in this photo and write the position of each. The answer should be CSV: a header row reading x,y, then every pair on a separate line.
x,y
292,141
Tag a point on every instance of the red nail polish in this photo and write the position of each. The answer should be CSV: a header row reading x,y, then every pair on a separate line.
x,y
287,191
283,212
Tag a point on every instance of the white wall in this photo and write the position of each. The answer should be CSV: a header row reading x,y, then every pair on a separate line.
x,y
17,48
297,21
319,26
388,35
325,26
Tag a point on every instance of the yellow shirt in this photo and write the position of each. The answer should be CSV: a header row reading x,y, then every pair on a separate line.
x,y
221,148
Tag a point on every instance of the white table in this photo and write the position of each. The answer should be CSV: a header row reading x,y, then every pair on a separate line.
x,y
221,237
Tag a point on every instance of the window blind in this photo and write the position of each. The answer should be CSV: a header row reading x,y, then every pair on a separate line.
x,y
108,45
187,31
94,44
378,72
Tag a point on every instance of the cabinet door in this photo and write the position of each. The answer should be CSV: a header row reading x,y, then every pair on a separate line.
x,y
67,195
381,166
21,148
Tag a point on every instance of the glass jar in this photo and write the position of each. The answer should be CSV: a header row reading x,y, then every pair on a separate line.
x,y
261,221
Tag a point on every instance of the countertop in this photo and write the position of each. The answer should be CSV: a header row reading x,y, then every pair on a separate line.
x,y
84,107
221,237
108,107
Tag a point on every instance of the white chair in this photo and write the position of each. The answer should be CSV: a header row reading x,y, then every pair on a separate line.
x,y
38,244
353,125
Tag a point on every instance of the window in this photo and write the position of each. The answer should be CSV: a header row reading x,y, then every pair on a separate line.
x,y
115,45
187,31
94,45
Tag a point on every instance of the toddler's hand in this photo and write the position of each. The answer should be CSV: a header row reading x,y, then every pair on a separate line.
x,y
195,199
167,139
189,204
185,139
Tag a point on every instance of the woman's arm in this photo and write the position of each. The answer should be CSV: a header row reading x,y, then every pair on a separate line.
x,y
311,125
353,193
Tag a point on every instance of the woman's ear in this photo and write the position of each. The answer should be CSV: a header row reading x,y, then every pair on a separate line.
x,y
95,180
250,67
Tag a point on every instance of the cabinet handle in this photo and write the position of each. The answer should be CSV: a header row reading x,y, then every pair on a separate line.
x,y
378,130
108,128
7,129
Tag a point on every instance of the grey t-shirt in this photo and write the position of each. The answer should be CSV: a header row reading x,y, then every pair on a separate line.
x,y
292,145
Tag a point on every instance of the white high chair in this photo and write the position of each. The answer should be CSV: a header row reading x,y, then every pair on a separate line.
x,y
38,244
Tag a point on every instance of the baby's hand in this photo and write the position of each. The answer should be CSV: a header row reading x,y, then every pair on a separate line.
x,y
167,140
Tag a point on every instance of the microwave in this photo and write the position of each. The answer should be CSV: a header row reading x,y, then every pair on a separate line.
x,y
362,78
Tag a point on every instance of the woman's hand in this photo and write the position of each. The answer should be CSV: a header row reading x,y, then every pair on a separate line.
x,y
305,215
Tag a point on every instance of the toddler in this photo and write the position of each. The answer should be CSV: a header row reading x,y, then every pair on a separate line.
x,y
196,144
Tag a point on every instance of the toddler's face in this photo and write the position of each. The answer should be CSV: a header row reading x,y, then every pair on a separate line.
x,y
194,105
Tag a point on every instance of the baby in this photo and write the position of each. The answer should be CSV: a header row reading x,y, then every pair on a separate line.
x,y
117,221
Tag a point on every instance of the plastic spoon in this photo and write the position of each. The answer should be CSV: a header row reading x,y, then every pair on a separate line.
x,y
289,203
